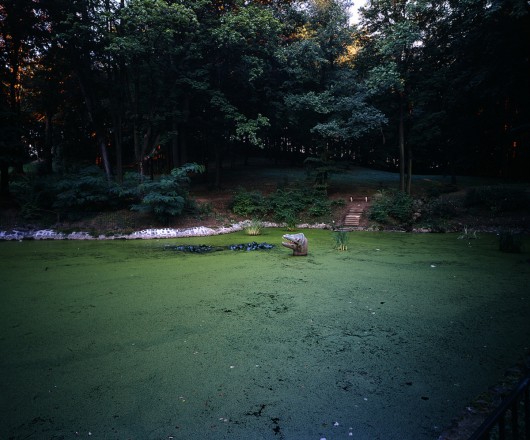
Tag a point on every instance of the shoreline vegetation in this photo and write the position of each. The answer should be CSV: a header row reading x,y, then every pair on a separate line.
x,y
276,196
197,231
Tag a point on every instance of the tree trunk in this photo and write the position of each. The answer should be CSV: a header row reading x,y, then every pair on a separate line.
x,y
452,165
118,141
183,143
105,157
4,178
95,119
140,147
401,144
218,159
143,147
175,162
48,143
184,129
409,171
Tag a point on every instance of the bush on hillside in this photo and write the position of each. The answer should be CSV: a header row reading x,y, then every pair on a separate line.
x,y
34,196
391,207
498,198
248,203
86,189
167,196
285,205
439,208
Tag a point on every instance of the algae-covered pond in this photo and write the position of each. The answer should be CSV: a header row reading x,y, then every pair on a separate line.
x,y
131,340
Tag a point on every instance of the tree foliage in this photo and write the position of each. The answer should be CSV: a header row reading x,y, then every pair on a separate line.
x,y
167,196
154,84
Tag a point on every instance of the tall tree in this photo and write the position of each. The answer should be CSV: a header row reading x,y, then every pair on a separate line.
x,y
81,29
390,56
484,47
18,29
239,51
325,101
150,52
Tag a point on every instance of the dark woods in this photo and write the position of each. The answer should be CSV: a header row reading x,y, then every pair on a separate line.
x,y
150,85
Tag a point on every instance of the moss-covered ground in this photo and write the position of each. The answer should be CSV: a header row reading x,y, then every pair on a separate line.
x,y
129,340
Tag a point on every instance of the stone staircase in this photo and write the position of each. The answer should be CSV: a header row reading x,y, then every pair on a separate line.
x,y
353,216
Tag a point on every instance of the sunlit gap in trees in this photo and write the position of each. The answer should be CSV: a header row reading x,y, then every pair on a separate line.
x,y
353,11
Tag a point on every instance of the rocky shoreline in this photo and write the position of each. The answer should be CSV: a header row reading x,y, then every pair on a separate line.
x,y
20,234
34,233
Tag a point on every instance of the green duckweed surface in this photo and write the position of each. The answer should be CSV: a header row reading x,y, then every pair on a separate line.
x,y
128,340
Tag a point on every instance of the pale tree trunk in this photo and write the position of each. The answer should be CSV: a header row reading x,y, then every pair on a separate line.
x,y
142,146
139,152
105,157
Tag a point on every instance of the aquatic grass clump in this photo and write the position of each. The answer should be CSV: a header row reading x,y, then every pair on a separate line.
x,y
255,228
341,240
468,234
291,222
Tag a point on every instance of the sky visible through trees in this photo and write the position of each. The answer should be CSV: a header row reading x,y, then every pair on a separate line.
x,y
353,11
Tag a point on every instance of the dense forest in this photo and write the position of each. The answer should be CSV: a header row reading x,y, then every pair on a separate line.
x,y
150,85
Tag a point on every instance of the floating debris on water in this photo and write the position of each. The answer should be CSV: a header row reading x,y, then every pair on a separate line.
x,y
204,248
250,246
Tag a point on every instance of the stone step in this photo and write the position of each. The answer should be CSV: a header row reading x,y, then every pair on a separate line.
x,y
352,220
353,216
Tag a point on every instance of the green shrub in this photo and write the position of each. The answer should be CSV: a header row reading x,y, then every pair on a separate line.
x,y
291,222
203,209
284,216
34,195
86,189
440,208
285,205
286,202
249,203
290,203
338,202
129,189
320,208
167,196
439,189
392,207
498,198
